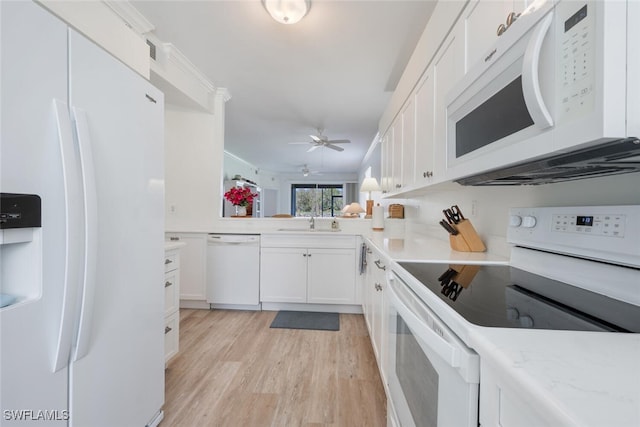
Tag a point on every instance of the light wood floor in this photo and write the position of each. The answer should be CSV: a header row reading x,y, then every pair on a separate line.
x,y
233,370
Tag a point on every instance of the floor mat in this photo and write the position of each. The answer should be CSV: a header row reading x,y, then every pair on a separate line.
x,y
306,320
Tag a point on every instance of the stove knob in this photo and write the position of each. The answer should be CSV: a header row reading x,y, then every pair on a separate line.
x,y
515,220
526,321
529,221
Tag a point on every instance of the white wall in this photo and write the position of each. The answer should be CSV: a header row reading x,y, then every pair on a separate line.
x,y
192,182
487,207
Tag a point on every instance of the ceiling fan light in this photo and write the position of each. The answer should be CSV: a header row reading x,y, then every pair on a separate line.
x,y
287,11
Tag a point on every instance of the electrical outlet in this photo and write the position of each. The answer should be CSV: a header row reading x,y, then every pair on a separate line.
x,y
474,208
172,209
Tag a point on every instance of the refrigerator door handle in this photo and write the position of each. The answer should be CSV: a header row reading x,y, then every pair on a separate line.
x,y
74,238
91,232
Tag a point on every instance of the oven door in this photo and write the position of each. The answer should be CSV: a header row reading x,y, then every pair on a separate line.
x,y
433,376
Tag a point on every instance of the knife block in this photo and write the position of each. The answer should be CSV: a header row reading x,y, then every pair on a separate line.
x,y
467,240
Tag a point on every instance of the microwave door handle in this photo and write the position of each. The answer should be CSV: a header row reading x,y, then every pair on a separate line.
x,y
530,79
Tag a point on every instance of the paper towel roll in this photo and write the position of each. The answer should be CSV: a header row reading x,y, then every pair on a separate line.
x,y
377,218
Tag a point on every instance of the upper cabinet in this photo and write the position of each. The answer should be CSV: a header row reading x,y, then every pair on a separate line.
x,y
408,142
448,68
425,119
414,130
482,20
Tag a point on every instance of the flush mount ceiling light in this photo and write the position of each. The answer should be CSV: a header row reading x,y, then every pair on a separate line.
x,y
287,11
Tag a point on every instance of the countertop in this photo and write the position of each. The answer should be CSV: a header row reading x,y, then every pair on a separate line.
x,y
572,378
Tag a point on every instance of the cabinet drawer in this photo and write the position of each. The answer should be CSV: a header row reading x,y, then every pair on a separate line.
x,y
171,261
171,292
171,335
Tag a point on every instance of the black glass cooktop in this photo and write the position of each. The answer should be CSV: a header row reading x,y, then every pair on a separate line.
x,y
507,297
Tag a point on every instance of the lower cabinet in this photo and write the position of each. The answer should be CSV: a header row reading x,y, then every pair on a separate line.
x,y
193,269
309,270
501,405
374,306
171,302
283,275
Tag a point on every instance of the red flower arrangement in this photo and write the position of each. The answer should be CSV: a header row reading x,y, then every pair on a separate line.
x,y
240,196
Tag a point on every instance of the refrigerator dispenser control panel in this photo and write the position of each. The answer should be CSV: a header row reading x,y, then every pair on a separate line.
x,y
19,210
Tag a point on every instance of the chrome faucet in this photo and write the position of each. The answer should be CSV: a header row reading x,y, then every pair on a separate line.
x,y
312,223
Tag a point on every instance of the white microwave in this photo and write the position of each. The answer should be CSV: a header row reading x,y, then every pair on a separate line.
x,y
564,76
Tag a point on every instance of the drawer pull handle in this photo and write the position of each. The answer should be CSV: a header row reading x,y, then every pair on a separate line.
x,y
167,330
174,238
381,267
167,261
167,284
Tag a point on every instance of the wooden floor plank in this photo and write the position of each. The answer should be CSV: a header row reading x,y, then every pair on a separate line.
x,y
233,370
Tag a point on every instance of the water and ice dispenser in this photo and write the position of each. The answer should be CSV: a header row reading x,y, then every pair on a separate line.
x,y
20,248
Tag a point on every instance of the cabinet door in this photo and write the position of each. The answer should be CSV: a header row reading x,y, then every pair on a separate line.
x,y
377,310
386,160
367,285
408,142
332,276
482,18
193,264
396,144
449,67
424,100
283,275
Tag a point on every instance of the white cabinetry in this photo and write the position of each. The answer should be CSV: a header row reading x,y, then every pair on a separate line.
x,y
193,277
424,113
283,275
396,155
481,21
308,269
501,404
448,69
171,301
387,161
374,307
408,142
331,276
414,144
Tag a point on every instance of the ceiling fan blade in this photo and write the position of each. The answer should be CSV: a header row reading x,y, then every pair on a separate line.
x,y
334,147
299,143
313,148
339,141
316,138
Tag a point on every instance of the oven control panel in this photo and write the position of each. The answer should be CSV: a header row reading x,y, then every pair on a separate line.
x,y
607,233
608,225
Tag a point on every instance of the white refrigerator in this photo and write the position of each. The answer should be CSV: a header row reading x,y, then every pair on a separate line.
x,y
83,344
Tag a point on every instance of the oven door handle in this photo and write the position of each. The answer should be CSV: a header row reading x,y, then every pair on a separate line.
x,y
426,336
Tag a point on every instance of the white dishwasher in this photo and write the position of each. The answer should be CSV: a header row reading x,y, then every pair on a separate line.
x,y
233,271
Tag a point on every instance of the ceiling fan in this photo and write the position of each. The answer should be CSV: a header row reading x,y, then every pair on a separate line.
x,y
322,141
306,171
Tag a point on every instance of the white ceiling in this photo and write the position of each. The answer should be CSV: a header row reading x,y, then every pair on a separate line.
x,y
336,70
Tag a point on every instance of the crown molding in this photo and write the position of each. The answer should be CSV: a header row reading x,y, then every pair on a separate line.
x,y
177,58
130,15
224,93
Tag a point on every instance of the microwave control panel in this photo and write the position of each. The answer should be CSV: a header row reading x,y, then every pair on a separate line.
x,y
575,30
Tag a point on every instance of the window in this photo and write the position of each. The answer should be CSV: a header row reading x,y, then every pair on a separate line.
x,y
316,199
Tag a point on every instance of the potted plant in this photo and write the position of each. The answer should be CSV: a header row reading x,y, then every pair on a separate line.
x,y
240,197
